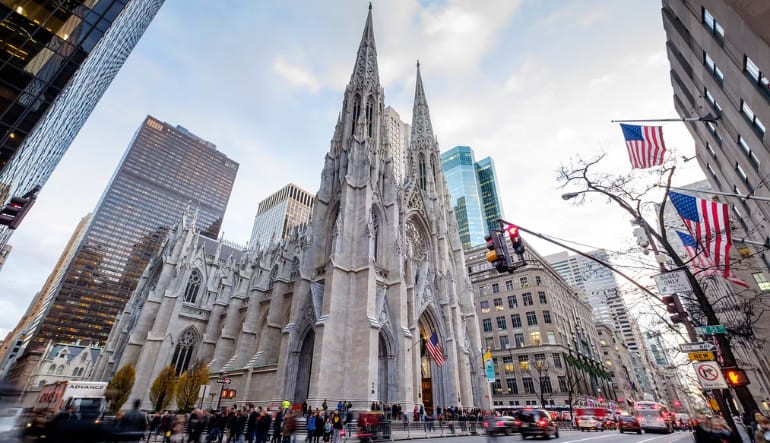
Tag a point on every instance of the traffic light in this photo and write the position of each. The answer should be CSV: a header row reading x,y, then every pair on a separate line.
x,y
14,211
496,254
228,394
673,308
518,245
736,377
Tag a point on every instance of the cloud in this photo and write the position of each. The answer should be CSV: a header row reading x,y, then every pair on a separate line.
x,y
296,75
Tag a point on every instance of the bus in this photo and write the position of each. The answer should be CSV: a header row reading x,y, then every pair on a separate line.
x,y
653,417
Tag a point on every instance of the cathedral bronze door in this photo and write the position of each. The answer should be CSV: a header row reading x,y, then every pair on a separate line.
x,y
304,368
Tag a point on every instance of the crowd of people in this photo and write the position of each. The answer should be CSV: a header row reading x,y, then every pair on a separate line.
x,y
714,429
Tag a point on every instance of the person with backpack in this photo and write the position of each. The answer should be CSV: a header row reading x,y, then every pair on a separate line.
x,y
337,427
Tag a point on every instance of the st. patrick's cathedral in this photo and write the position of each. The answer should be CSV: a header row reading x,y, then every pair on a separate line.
x,y
339,311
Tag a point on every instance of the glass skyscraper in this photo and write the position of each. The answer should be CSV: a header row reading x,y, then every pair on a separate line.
x,y
56,60
165,171
492,208
474,192
289,207
458,165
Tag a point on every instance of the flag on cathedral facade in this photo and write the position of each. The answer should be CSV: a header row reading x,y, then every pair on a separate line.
x,y
644,144
434,349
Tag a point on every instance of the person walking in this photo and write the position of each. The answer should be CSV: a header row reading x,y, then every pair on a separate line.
x,y
310,426
277,427
133,423
263,427
176,434
251,425
762,434
337,427
327,430
289,428
319,428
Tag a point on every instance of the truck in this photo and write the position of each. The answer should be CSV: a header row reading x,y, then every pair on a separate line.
x,y
86,400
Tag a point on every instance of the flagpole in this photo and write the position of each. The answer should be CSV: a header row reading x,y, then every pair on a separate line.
x,y
728,194
686,119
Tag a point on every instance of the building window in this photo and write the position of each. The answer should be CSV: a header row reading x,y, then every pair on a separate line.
x,y
713,130
546,316
551,337
512,302
482,291
193,285
556,360
183,351
713,102
499,304
52,368
515,320
711,170
369,115
487,325
563,383
762,282
752,119
719,76
519,340
541,296
512,387
529,387
523,282
531,318
545,385
485,306
712,25
356,113
495,288
524,362
501,323
423,179
497,387
535,338
539,360
759,78
741,172
504,342
526,298
711,150
508,285
508,364
490,342
749,152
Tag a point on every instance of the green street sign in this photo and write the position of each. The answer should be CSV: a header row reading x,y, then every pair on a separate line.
x,y
713,329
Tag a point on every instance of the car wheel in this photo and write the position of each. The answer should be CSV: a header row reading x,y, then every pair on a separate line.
x,y
639,432
523,436
557,432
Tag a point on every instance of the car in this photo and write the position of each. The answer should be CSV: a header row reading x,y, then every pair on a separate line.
x,y
589,423
537,422
629,424
495,425
609,423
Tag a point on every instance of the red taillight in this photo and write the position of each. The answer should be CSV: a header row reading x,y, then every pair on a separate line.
x,y
486,424
660,418
518,422
499,423
542,422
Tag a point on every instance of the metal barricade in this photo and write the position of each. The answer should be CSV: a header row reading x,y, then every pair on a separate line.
x,y
385,430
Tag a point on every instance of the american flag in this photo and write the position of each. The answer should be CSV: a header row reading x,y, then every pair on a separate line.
x,y
645,145
434,349
701,263
709,225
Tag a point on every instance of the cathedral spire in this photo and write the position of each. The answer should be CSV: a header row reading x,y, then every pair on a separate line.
x,y
422,128
365,72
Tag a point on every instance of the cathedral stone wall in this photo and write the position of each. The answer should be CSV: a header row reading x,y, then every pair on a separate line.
x,y
339,311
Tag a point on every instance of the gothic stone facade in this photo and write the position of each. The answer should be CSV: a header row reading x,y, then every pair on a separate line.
x,y
339,311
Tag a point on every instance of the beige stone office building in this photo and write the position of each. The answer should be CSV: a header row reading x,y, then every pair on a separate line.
x,y
541,334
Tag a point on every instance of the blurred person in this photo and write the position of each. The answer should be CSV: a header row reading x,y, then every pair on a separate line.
x,y
762,434
132,424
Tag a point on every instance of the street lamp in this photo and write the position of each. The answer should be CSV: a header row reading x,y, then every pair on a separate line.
x,y
569,195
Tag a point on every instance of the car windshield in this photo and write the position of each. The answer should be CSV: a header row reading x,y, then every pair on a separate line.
x,y
586,417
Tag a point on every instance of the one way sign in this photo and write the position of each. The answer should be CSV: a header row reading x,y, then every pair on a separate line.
x,y
697,347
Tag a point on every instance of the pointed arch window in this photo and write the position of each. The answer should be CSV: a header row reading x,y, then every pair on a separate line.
x,y
294,269
52,368
183,351
356,113
375,234
193,286
60,370
369,115
423,180
433,168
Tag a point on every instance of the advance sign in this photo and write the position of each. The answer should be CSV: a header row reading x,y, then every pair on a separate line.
x,y
709,375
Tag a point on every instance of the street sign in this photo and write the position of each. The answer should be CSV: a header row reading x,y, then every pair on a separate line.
x,y
713,329
700,356
709,375
714,405
224,380
670,283
698,346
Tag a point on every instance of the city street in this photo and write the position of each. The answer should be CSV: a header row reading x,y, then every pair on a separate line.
x,y
576,436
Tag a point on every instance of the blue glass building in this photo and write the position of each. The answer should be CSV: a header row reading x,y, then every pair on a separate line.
x,y
491,206
459,168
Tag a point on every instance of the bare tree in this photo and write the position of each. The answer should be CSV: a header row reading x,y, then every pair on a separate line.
x,y
636,198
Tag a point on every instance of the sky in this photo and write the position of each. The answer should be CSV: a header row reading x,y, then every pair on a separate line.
x,y
532,84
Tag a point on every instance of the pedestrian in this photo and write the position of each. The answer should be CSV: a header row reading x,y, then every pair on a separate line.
x,y
422,413
251,425
195,426
277,427
762,434
133,423
337,426
327,430
319,428
263,427
405,419
216,427
310,428
289,428
324,406
304,409
176,434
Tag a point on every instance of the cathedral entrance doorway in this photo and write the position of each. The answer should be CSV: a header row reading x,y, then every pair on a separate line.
x,y
304,367
383,372
430,379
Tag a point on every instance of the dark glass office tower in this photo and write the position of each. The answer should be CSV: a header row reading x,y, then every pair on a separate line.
x,y
56,60
165,171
